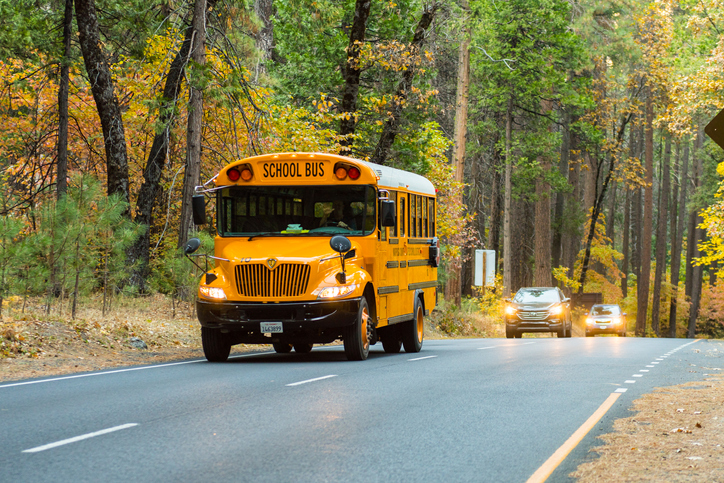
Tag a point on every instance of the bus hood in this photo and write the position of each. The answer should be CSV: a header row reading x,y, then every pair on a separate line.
x,y
288,249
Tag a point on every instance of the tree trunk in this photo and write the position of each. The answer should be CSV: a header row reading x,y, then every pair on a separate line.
x,y
661,236
264,9
62,166
697,271
678,212
495,208
351,73
542,253
507,242
643,285
139,253
392,125
109,110
193,132
625,248
563,169
452,288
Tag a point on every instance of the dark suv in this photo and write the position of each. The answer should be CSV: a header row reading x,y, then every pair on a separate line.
x,y
538,309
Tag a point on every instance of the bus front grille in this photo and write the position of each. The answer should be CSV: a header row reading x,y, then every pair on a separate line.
x,y
286,280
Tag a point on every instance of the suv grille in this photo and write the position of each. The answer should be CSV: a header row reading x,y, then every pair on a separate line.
x,y
286,280
533,315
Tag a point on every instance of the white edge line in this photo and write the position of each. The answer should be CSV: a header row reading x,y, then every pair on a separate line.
x,y
420,358
79,438
629,382
311,380
483,348
118,371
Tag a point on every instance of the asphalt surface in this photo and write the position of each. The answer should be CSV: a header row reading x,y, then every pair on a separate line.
x,y
461,410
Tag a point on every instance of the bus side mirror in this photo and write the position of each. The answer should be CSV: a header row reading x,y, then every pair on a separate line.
x,y
198,208
342,245
387,213
191,246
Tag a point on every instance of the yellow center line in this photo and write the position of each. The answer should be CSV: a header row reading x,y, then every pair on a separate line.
x,y
557,458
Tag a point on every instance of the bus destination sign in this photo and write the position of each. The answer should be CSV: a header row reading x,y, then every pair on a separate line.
x,y
293,169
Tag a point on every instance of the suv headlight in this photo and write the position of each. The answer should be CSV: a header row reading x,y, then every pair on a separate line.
x,y
556,310
589,321
215,293
510,310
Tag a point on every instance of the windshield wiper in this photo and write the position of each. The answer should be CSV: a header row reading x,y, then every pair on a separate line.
x,y
261,234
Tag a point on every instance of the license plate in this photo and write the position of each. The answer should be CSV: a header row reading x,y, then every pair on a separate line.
x,y
271,327
603,326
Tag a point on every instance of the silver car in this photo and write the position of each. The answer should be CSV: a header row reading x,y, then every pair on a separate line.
x,y
605,319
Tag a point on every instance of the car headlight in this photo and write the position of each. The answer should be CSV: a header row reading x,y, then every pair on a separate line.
x,y
616,320
589,321
215,293
510,310
556,310
337,291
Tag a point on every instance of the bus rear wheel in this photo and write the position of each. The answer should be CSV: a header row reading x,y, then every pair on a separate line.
x,y
282,348
391,346
217,346
413,330
303,348
357,336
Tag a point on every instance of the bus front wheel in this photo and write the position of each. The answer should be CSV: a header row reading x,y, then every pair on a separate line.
x,y
216,345
357,335
413,330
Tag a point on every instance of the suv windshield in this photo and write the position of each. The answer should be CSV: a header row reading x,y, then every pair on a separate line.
x,y
296,210
604,310
536,296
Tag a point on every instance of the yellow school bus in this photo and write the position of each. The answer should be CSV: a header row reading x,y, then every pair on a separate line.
x,y
311,248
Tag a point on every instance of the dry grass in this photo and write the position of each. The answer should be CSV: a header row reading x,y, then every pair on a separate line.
x,y
676,435
35,344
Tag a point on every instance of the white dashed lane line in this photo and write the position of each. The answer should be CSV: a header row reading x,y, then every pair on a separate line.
x,y
420,358
311,380
79,438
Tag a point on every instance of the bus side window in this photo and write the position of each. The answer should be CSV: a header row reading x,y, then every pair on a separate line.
x,y
424,216
393,229
418,216
431,216
413,202
402,216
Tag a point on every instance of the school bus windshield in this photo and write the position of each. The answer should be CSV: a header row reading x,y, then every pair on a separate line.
x,y
296,210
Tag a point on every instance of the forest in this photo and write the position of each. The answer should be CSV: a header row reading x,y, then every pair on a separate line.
x,y
566,135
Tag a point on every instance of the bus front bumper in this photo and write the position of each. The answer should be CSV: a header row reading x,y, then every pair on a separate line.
x,y
295,316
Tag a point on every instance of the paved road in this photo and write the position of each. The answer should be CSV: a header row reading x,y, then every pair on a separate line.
x,y
464,410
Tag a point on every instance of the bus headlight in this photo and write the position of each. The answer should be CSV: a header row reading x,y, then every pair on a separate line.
x,y
336,291
215,293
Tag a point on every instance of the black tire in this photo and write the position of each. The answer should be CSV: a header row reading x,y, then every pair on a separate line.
x,y
518,335
562,331
357,336
392,346
282,348
303,348
216,345
589,335
413,330
570,330
509,333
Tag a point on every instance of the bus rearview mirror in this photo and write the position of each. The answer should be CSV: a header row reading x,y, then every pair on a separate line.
x,y
387,213
198,208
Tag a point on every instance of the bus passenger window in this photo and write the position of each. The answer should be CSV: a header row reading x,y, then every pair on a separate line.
x,y
431,208
393,229
424,216
413,233
418,216
402,216
262,206
252,206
